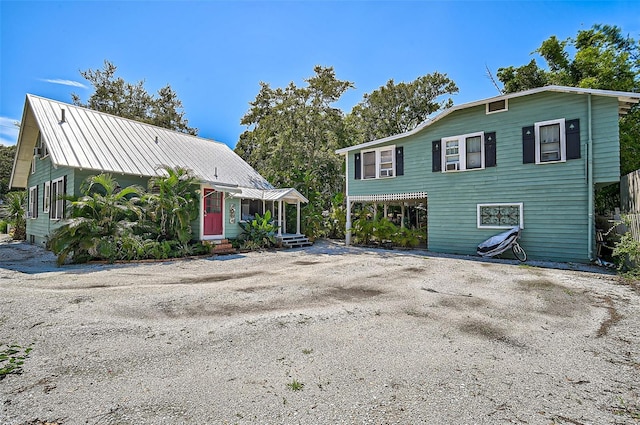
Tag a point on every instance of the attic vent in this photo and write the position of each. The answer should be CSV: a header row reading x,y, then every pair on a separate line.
x,y
497,106
62,119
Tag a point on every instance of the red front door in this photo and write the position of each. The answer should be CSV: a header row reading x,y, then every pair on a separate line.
x,y
212,212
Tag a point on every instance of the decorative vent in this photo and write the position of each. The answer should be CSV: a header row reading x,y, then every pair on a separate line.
x,y
497,106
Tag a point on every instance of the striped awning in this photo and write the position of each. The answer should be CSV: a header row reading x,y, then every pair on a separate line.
x,y
388,197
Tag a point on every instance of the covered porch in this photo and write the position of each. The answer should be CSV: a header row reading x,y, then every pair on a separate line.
x,y
416,200
273,200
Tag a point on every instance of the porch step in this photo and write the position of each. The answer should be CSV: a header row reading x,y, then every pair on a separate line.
x,y
295,241
221,246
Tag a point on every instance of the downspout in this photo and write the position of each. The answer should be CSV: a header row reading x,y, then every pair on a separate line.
x,y
347,233
591,228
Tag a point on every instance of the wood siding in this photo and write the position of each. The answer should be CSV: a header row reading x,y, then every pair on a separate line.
x,y
555,195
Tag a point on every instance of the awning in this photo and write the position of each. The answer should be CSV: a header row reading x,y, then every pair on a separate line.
x,y
289,195
388,197
221,187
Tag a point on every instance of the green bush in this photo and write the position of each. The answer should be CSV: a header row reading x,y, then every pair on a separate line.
x,y
259,232
3,226
627,252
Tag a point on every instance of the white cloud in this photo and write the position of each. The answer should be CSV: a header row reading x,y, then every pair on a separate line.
x,y
63,82
8,131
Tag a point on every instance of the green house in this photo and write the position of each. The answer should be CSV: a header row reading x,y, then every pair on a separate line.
x,y
531,159
60,145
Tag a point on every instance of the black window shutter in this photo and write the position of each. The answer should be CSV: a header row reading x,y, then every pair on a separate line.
x,y
51,204
35,210
490,149
572,128
399,161
357,167
64,192
436,156
528,145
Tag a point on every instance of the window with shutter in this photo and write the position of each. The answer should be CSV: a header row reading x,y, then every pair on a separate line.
x,y
464,152
379,163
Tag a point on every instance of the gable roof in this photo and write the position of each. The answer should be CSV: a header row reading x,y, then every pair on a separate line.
x,y
92,140
625,102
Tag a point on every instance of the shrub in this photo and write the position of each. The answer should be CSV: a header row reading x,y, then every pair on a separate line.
x,y
259,232
627,251
3,226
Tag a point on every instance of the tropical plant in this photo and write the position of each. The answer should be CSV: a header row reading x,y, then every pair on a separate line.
x,y
14,209
384,230
337,217
408,238
259,232
363,229
104,211
172,204
627,251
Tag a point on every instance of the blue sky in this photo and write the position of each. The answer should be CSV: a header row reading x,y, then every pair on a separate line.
x,y
215,53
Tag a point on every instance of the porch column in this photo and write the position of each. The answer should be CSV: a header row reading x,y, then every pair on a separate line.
x,y
284,216
385,209
402,218
279,218
347,233
298,217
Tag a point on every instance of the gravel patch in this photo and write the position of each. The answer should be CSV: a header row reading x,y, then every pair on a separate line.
x,y
324,335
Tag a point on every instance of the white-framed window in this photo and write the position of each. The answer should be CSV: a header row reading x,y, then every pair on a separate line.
x,y
464,152
41,148
500,215
57,203
33,164
46,197
33,202
249,208
379,163
551,144
497,106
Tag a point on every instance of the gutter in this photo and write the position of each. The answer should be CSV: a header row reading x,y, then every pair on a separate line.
x,y
590,188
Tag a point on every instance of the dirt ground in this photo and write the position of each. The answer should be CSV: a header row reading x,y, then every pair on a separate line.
x,y
325,335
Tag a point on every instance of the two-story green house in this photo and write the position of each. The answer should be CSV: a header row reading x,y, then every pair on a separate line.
x,y
60,145
532,159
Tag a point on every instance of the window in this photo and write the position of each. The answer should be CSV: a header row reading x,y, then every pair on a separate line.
x,y
497,106
550,141
464,152
57,203
41,147
33,202
500,216
46,197
378,163
249,208
33,164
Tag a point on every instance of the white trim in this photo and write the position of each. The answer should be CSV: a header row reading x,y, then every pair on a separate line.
x,y
46,197
59,183
462,152
563,140
499,204
32,206
506,107
623,97
388,197
377,152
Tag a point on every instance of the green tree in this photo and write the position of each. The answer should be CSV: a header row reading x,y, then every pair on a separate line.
x,y
14,209
115,96
600,58
172,204
7,154
102,213
293,132
398,108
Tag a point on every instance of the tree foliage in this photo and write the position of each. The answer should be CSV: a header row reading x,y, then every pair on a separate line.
x,y
600,58
7,153
115,96
15,209
293,132
398,108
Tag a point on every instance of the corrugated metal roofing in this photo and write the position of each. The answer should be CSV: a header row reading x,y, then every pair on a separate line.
x,y
92,140
289,195
625,101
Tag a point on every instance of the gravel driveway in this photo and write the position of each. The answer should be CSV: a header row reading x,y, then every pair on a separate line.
x,y
325,335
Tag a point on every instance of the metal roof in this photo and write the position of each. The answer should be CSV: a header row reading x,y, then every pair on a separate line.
x,y
625,102
86,139
289,195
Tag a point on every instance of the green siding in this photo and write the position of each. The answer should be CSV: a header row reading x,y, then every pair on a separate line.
x,y
232,230
39,228
555,196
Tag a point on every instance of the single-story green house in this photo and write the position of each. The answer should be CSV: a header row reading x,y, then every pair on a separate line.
x,y
532,159
60,145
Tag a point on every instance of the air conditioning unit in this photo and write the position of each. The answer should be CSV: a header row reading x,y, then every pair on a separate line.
x,y
453,166
386,173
